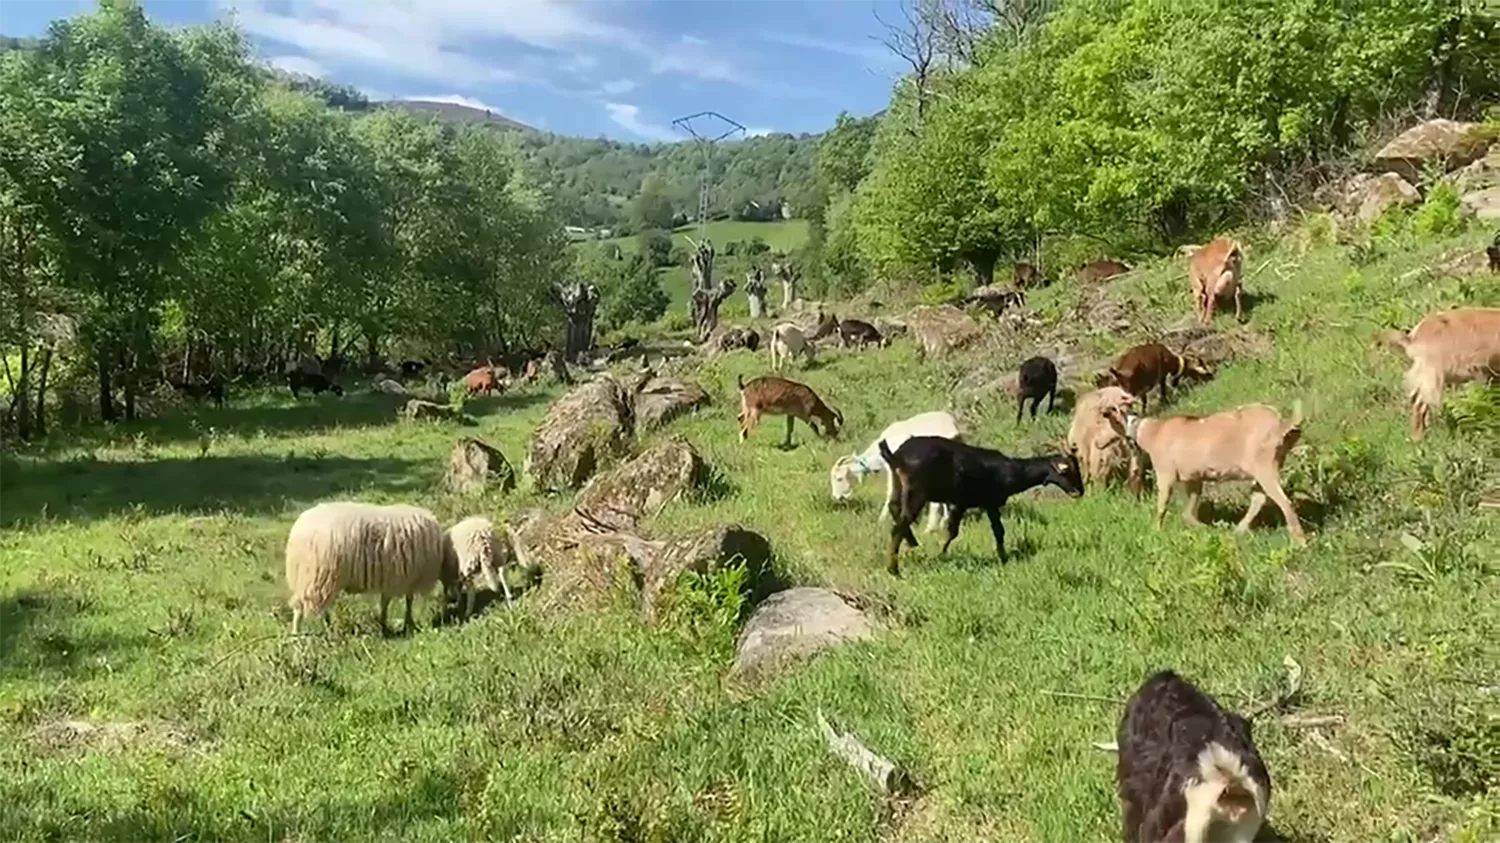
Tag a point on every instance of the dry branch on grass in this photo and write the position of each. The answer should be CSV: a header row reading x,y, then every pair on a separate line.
x,y
880,773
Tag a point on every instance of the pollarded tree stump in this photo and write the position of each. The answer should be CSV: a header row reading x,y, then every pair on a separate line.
x,y
475,466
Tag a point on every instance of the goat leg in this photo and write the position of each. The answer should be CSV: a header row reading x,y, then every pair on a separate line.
x,y
955,520
1194,495
892,564
789,422
1271,483
1164,482
1238,310
1051,396
1020,405
1257,503
998,529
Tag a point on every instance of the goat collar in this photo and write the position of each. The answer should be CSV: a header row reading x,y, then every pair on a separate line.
x,y
1132,426
867,466
1181,365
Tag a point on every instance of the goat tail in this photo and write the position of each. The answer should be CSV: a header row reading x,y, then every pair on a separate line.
x,y
1394,340
887,455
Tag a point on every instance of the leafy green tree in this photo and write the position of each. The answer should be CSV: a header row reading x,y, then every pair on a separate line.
x,y
844,151
653,206
656,247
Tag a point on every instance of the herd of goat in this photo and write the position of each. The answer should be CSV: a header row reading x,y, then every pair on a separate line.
x,y
1187,769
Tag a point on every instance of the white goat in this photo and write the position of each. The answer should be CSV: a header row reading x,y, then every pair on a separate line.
x,y
852,467
788,341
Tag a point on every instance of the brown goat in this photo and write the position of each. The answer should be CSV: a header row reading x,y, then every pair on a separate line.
x,y
1214,272
1149,366
1446,347
1249,442
1100,449
1100,270
1027,275
482,379
770,395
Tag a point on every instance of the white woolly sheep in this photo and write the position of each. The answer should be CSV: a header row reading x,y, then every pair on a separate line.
x,y
395,551
853,467
481,559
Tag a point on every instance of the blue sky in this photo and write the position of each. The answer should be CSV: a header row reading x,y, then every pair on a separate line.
x,y
619,68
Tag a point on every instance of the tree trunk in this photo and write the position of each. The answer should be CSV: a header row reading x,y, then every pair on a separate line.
x,y
107,410
372,352
39,410
21,389
755,292
579,304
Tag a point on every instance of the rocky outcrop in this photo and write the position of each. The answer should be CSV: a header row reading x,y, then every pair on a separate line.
x,y
1450,143
661,400
1368,196
942,329
587,429
475,465
619,499
793,624
1482,204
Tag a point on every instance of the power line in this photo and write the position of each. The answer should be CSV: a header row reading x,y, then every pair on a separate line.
x,y
705,140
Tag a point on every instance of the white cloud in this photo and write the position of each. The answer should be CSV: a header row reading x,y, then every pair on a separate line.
x,y
618,86
868,51
754,132
694,40
298,64
457,99
628,117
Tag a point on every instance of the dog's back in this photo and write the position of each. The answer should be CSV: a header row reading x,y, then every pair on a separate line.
x,y
1187,770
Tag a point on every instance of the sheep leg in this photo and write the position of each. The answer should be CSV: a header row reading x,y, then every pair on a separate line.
x,y
406,624
998,529
1194,494
296,619
1271,483
1164,482
955,520
385,605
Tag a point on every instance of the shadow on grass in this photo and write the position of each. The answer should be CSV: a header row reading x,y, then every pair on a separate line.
x,y
178,810
38,636
507,403
86,488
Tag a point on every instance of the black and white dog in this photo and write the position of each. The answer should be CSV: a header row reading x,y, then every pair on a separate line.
x,y
1188,770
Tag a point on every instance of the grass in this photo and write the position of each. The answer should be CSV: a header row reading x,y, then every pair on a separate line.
x,y
142,584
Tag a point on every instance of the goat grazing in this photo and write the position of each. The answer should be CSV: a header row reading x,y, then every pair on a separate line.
x,y
1187,769
788,341
933,469
1446,347
1215,271
299,379
1099,447
1247,443
773,396
853,467
1038,378
1492,252
855,332
1149,366
1100,270
1026,275
481,379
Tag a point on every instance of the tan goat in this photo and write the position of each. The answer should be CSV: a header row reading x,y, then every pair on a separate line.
x,y
1249,442
788,341
1100,449
1446,347
1215,272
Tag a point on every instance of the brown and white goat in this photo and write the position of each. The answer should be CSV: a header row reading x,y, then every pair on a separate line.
x,y
1099,447
788,341
1215,272
1142,368
772,396
1446,347
1249,442
1187,770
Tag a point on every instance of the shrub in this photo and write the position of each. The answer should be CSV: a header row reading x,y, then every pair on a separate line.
x,y
1440,216
656,246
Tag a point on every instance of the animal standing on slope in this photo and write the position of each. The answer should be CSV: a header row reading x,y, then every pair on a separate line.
x,y
1140,369
1099,447
1025,275
932,469
1098,271
847,469
788,341
1187,770
1038,379
856,332
298,380
482,380
769,395
395,551
1446,347
1247,443
1492,252
1215,272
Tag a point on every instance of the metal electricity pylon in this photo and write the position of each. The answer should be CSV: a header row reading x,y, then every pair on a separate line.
x,y
706,140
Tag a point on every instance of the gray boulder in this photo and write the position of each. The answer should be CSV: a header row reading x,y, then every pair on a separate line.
x,y
793,624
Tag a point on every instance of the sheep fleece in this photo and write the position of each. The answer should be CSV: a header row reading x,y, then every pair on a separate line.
x,y
361,548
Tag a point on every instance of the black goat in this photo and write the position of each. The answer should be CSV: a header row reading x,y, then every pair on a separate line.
x,y
1038,378
1187,769
932,469
299,380
1493,252
856,332
412,368
212,387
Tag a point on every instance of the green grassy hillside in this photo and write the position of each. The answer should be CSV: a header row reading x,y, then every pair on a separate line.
x,y
143,585
784,236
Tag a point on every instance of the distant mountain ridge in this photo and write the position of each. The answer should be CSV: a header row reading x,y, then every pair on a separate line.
x,y
456,113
